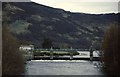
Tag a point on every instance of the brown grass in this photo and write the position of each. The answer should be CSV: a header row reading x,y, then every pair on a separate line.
x,y
12,61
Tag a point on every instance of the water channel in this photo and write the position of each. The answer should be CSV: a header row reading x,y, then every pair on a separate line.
x,y
62,67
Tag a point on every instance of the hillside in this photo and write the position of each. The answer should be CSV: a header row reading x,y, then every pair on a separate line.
x,y
33,22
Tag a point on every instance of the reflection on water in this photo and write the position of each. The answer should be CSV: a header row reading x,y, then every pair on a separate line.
x,y
62,67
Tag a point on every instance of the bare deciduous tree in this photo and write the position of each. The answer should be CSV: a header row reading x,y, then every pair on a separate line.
x,y
47,43
12,61
111,45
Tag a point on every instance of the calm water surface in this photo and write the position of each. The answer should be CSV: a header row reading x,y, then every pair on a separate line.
x,y
62,67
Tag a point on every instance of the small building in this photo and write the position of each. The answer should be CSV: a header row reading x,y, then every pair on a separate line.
x,y
26,47
27,51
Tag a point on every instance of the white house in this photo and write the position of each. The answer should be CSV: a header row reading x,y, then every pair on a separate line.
x,y
26,47
27,51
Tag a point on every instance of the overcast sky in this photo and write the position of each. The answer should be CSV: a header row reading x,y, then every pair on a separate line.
x,y
84,6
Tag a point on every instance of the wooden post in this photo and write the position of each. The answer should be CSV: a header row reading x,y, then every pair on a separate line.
x,y
71,53
51,53
91,53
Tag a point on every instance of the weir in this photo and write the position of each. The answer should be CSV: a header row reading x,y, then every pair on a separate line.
x,y
83,55
30,53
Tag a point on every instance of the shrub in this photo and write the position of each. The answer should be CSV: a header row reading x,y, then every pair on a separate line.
x,y
111,56
12,61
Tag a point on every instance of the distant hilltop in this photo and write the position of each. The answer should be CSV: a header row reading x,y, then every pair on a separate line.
x,y
31,23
